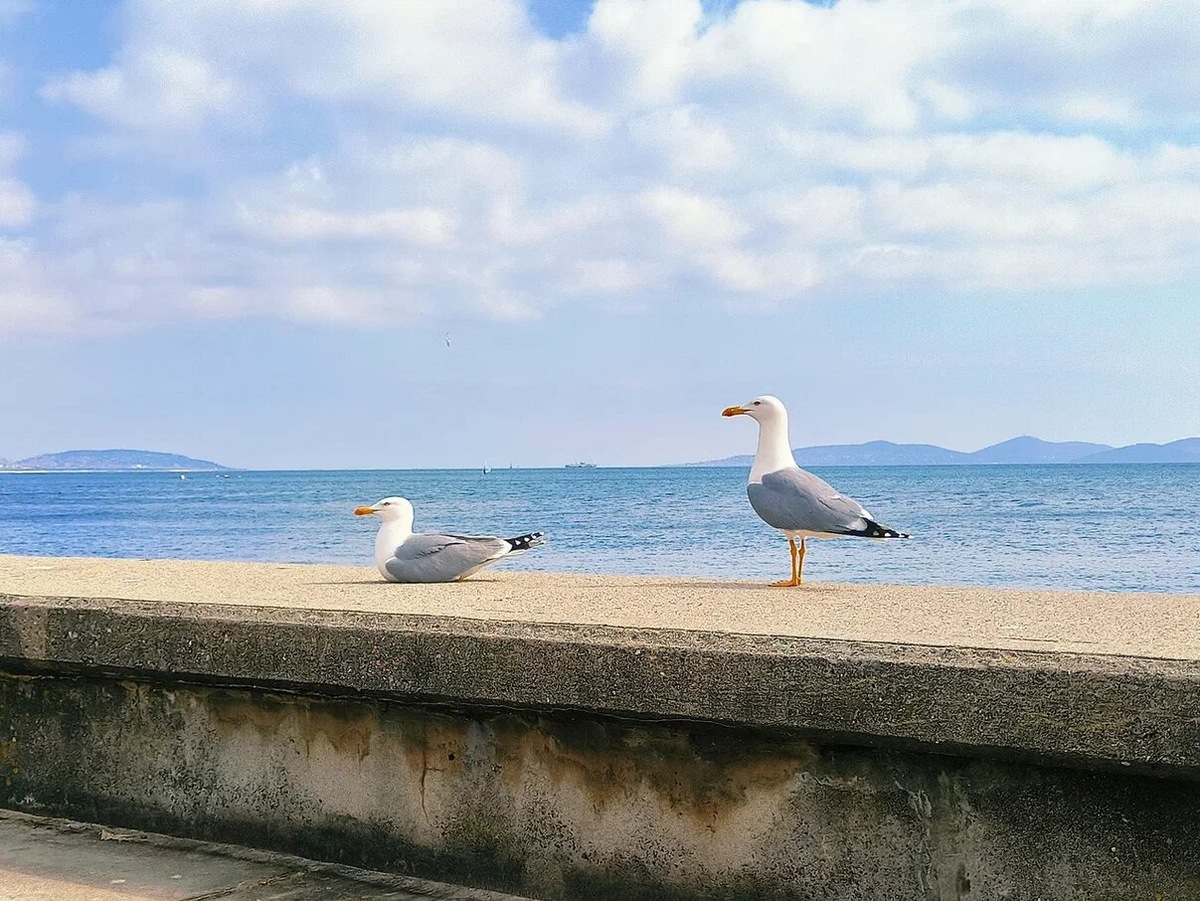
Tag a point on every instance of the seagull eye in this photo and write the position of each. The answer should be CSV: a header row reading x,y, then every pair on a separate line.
x,y
758,403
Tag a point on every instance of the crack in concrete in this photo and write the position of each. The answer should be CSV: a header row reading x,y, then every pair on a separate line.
x,y
424,773
246,885
927,875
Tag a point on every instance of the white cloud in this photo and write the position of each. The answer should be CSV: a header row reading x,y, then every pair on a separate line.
x,y
769,277
217,302
856,62
826,214
649,44
158,89
327,304
184,67
1172,159
1052,161
373,162
17,202
693,220
685,141
1081,63
510,222
435,167
28,302
606,277
10,9
414,226
483,61
991,211
12,148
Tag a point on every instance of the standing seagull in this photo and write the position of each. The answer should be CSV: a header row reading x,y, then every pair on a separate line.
x,y
794,501
429,557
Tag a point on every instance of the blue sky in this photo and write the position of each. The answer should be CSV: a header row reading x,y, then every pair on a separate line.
x,y
379,234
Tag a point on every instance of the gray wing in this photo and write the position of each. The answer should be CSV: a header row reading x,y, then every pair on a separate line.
x,y
795,500
443,558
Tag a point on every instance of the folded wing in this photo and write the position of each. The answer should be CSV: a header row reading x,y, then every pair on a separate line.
x,y
443,558
796,500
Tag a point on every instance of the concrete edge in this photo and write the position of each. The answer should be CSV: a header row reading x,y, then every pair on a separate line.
x,y
424,888
35,610
1092,711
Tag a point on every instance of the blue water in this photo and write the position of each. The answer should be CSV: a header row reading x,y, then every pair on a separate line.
x,y
1130,528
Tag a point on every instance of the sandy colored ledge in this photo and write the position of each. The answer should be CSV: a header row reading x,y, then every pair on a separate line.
x,y
1089,679
1165,626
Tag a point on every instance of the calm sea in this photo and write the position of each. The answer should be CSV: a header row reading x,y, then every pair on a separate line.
x,y
1130,528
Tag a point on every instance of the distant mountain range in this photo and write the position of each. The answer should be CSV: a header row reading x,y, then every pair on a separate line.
x,y
874,453
111,461
1016,450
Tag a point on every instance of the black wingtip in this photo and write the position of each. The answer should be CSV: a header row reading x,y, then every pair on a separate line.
x,y
873,529
525,542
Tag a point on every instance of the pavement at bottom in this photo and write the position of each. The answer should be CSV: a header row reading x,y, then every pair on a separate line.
x,y
49,859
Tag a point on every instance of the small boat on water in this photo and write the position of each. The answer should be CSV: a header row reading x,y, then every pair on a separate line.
x,y
581,465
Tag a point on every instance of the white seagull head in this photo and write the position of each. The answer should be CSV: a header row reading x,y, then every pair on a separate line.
x,y
390,509
764,409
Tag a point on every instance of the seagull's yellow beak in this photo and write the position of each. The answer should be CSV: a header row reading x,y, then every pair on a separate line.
x,y
364,511
734,411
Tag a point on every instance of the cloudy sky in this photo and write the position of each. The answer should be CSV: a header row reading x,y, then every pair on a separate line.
x,y
295,233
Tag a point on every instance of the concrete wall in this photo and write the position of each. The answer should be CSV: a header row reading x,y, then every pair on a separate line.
x,y
578,807
581,763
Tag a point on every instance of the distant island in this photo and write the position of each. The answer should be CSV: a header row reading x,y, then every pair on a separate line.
x,y
1025,449
111,461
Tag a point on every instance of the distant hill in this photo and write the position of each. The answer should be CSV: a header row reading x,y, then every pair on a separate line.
x,y
876,453
112,461
1025,449
873,453
1185,450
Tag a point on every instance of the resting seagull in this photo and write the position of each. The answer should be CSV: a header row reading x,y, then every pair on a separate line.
x,y
429,557
794,501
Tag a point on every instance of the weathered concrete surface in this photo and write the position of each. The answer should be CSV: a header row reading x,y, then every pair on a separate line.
x,y
1140,625
578,808
51,859
1130,700
574,737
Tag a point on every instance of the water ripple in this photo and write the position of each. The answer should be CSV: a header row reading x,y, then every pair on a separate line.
x,y
1125,528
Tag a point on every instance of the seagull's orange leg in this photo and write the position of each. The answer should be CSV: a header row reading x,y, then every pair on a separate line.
x,y
800,567
795,579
